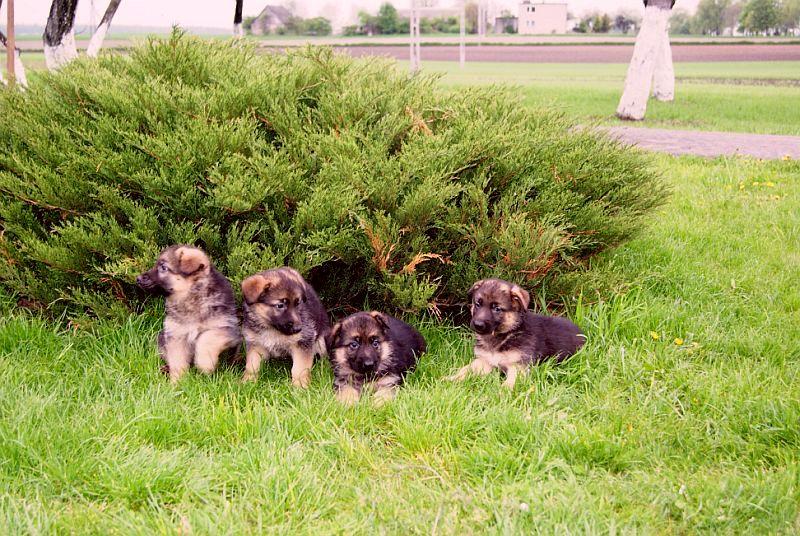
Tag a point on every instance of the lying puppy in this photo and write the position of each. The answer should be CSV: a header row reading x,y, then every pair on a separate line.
x,y
283,316
511,338
201,319
375,348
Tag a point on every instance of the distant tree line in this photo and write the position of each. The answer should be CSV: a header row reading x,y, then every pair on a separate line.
x,y
753,17
387,21
297,26
622,22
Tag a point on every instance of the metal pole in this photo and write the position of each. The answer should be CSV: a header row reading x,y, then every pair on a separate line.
x,y
10,42
462,49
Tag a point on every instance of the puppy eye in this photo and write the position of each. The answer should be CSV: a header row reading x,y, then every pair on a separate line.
x,y
376,343
497,309
354,345
478,303
162,268
279,306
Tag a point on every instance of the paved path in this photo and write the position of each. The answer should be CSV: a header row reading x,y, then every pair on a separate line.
x,y
712,144
584,53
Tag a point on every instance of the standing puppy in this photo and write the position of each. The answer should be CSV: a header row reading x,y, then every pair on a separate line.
x,y
283,316
201,319
372,347
511,338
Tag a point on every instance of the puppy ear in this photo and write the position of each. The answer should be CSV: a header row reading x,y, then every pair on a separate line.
x,y
332,338
520,296
191,260
253,286
381,319
474,288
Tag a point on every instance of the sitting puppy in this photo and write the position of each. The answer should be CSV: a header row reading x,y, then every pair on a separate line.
x,y
283,316
201,319
372,347
511,338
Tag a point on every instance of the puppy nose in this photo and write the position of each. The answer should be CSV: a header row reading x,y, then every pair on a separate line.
x,y
289,324
479,324
369,363
144,278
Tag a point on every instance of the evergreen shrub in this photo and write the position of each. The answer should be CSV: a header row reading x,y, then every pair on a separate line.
x,y
379,187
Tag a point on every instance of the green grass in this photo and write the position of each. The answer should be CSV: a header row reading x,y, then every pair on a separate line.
x,y
757,97
633,434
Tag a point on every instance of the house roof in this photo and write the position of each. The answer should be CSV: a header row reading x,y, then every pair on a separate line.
x,y
279,12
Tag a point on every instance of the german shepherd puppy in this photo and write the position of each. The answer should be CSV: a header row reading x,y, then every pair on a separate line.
x,y
283,316
201,319
511,338
372,348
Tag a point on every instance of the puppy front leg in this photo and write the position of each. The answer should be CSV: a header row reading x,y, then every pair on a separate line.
x,y
479,367
176,352
302,361
348,391
386,389
207,349
512,372
252,362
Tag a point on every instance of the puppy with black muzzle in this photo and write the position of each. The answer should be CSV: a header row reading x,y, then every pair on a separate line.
x,y
283,316
200,321
511,338
372,348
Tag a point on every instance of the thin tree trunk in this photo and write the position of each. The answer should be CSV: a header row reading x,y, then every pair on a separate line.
x,y
649,43
59,34
237,19
19,68
96,42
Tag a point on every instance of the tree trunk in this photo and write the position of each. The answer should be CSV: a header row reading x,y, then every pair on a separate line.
x,y
649,48
237,19
664,75
96,43
59,34
19,68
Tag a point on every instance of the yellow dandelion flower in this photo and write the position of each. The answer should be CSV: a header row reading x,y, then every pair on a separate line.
x,y
769,184
741,186
756,183
630,427
678,341
655,335
786,158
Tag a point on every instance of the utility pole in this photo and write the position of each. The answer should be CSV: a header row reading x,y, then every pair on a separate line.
x,y
462,49
413,23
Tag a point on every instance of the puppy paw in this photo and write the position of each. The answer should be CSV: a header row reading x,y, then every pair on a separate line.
x,y
347,396
302,381
249,377
459,376
382,396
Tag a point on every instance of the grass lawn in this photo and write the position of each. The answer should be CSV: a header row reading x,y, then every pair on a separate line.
x,y
682,414
730,96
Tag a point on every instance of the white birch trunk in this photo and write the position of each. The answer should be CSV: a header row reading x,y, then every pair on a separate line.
x,y
238,32
56,56
633,103
664,75
19,68
96,42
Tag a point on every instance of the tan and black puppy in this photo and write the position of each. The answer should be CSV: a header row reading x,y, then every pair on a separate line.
x,y
201,319
372,348
511,338
283,316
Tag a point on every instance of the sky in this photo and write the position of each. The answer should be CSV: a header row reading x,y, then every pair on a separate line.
x,y
219,13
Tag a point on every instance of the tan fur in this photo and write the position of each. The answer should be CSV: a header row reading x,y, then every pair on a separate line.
x,y
178,357
255,354
302,361
253,286
348,395
191,260
207,349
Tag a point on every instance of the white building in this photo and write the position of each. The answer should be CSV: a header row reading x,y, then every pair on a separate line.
x,y
542,18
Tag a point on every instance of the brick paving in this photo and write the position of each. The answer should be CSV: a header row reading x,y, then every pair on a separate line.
x,y
711,144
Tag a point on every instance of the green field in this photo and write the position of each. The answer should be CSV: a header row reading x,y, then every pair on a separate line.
x,y
681,415
729,96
